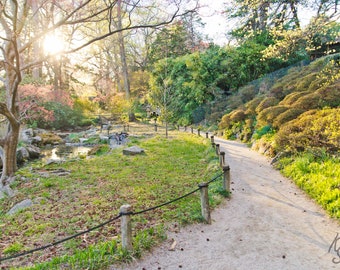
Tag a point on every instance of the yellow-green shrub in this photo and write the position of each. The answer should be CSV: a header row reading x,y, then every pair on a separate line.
x,y
293,97
308,102
266,102
267,116
237,116
252,105
313,129
287,116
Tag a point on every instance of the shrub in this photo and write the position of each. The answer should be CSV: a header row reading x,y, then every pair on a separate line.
x,y
225,122
293,97
308,102
267,102
330,95
262,131
237,116
313,129
267,116
287,116
252,105
305,82
247,130
64,116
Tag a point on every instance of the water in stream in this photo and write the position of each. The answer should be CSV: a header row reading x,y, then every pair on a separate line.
x,y
62,152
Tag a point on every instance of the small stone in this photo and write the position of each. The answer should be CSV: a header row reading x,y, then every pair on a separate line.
x,y
133,150
20,206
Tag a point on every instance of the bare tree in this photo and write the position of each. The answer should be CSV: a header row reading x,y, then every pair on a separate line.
x,y
14,14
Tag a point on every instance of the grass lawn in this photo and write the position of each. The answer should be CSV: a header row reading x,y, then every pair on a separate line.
x,y
94,192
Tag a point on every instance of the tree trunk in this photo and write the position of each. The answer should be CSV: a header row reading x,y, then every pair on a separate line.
x,y
10,110
122,51
9,158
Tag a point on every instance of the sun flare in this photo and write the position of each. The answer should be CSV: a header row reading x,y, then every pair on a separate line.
x,y
53,45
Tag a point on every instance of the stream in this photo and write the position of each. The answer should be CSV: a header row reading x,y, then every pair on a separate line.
x,y
62,152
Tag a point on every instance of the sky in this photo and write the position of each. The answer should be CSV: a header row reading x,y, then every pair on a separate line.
x,y
216,24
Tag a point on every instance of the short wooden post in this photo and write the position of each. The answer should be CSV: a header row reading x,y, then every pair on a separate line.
x,y
212,138
207,135
192,130
217,149
205,202
226,177
178,127
222,159
199,132
185,128
156,127
126,227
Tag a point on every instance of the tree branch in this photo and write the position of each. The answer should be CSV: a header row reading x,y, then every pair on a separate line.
x,y
110,33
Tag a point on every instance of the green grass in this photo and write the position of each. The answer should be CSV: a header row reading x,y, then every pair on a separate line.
x,y
94,192
318,177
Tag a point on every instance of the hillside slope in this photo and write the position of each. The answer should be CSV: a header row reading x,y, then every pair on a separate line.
x,y
296,109
294,116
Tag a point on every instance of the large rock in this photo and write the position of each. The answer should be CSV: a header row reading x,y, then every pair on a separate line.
x,y
33,151
22,154
27,135
133,150
20,206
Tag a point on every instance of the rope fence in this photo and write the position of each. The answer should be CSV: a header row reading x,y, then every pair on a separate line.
x,y
125,212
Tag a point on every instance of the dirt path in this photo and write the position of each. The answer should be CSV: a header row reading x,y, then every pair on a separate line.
x,y
267,224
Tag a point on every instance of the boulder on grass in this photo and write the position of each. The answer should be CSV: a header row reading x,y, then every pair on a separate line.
x,y
133,150
20,206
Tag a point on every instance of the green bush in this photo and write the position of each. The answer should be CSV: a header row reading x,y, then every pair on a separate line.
x,y
64,116
318,176
262,131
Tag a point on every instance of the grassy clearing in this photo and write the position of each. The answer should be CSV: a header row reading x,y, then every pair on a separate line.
x,y
94,192
318,177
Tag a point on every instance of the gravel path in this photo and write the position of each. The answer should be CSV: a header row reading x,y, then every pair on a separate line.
x,y
267,224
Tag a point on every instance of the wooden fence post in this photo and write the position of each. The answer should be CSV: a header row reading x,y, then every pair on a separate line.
x,y
126,227
207,135
226,177
199,132
217,149
212,138
205,202
222,159
192,130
